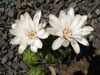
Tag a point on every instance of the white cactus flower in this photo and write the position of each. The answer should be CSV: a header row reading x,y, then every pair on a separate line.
x,y
69,28
28,31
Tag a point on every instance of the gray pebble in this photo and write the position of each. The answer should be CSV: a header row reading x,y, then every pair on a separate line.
x,y
2,42
9,63
18,3
97,11
9,72
1,9
4,36
12,47
40,1
15,59
4,59
72,5
10,13
11,4
11,54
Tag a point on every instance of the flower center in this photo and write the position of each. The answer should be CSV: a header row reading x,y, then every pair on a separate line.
x,y
67,32
31,34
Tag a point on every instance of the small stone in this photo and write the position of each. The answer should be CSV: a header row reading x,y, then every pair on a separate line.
x,y
98,20
11,54
40,1
12,47
97,52
47,1
11,4
4,36
69,0
0,33
2,42
18,3
9,63
72,5
10,13
4,59
1,9
97,11
15,59
9,72
93,23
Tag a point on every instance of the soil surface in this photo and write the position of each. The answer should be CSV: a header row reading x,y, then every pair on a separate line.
x,y
11,62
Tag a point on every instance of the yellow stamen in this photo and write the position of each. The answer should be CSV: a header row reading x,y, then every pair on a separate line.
x,y
67,32
31,34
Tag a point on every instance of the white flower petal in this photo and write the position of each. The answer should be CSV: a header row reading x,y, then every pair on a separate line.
x,y
28,20
33,49
71,12
40,33
24,40
12,31
81,22
21,48
54,21
18,31
24,25
62,19
66,43
15,40
14,25
75,21
84,33
36,18
15,32
38,43
31,42
27,17
76,32
53,31
19,22
87,28
68,21
75,46
65,20
57,43
44,36
22,28
81,40
22,17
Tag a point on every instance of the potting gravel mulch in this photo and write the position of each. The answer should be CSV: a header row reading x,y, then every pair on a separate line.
x,y
11,62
